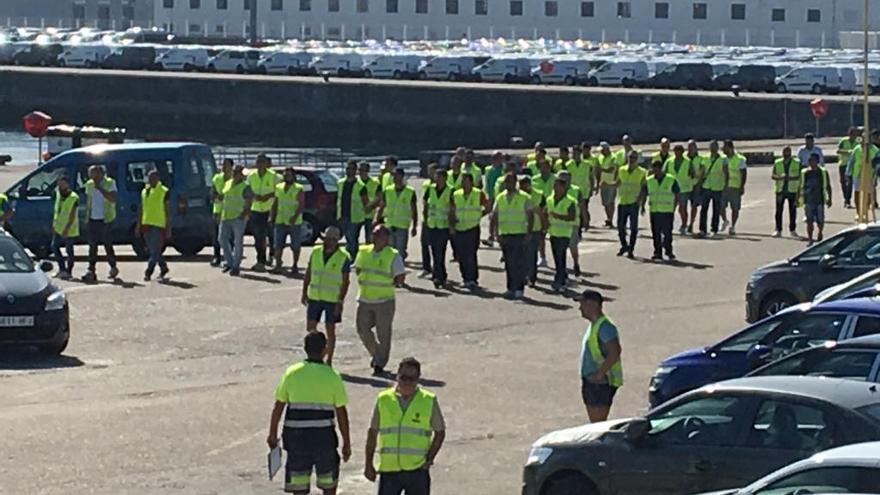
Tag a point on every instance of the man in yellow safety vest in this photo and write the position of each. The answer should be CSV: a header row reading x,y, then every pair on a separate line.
x,y
512,220
399,211
844,149
325,286
217,182
287,218
631,198
468,206
786,184
65,226
601,370
262,184
663,191
154,223
236,208
735,175
408,429
607,178
100,212
373,186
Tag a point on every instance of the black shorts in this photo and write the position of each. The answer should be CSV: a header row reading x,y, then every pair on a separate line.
x,y
597,394
308,449
315,309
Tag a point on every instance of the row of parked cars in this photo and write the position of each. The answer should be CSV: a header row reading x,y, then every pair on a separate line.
x,y
799,387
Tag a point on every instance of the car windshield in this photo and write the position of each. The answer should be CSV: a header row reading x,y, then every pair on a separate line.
x,y
851,364
791,332
854,246
13,259
706,420
871,410
744,341
328,179
830,479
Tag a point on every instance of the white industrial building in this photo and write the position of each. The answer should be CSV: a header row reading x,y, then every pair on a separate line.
x,y
808,23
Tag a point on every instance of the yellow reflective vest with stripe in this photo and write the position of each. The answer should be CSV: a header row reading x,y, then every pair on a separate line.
x,y
684,172
512,213
661,198
438,207
468,209
398,206
615,374
287,196
404,436
262,185
325,275
792,173
714,173
63,207
375,278
233,200
310,403
630,185
559,227
153,206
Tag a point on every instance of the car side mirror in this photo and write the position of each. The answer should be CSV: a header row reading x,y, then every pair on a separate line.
x,y
637,429
46,266
757,356
827,261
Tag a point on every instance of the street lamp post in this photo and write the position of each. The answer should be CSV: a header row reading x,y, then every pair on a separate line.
x,y
866,180
253,30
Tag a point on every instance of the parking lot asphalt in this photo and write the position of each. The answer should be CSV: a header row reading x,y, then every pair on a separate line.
x,y
167,388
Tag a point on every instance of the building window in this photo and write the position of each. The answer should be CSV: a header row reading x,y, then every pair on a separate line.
x,y
516,7
588,9
661,10
701,10
421,6
481,7
103,12
452,7
79,11
305,5
624,10
278,5
127,11
220,29
551,8
738,11
195,4
363,6
195,28
168,4
777,15
814,15
222,4
247,4
332,5
391,6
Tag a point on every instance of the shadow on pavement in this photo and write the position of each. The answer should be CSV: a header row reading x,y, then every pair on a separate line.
x,y
31,359
258,278
425,291
180,284
117,283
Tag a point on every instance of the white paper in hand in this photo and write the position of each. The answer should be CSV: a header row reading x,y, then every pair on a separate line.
x,y
274,461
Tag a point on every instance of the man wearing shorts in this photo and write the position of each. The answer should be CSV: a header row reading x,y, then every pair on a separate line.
x,y
325,287
607,175
601,371
735,175
815,194
290,199
681,167
313,396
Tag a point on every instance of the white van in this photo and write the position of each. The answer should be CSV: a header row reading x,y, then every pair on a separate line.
x,y
566,71
86,55
873,79
339,64
507,70
290,63
238,61
624,73
185,58
847,80
448,68
809,79
393,66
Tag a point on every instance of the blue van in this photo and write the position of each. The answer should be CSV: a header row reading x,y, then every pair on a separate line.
x,y
185,168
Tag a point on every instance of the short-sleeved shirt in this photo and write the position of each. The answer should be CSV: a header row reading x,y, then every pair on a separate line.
x,y
346,267
437,421
804,154
347,188
813,187
397,266
332,390
97,212
607,333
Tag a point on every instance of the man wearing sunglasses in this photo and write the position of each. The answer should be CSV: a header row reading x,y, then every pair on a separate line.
x,y
409,429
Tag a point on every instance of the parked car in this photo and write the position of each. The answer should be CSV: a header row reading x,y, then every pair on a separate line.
x,y
721,436
853,359
509,70
749,77
85,55
33,310
619,73
339,64
289,63
688,75
38,55
7,52
449,68
131,58
187,59
568,72
812,79
837,259
865,285
852,469
185,168
319,186
237,61
393,67
791,330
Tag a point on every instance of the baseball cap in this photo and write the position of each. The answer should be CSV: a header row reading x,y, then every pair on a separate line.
x,y
589,295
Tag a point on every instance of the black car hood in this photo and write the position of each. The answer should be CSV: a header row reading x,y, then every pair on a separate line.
x,y
772,267
22,284
579,435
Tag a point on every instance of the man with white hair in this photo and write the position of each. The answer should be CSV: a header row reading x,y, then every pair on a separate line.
x,y
325,286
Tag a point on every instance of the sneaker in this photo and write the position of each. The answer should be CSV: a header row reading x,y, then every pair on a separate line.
x,y
700,235
793,233
533,283
819,238
163,275
234,272
425,274
147,277
215,261
378,371
89,277
225,269
508,294
809,243
294,270
577,270
542,262
777,233
491,243
114,272
656,257
629,254
714,233
63,275
671,256
724,225
518,295
277,270
556,288
259,267
682,230
732,231
609,224
690,229
621,252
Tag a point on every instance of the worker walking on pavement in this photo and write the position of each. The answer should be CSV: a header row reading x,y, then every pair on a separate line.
x,y
844,149
786,185
373,187
512,220
631,198
262,183
713,182
424,238
697,166
607,171
735,175
561,208
325,286
312,398
400,213
101,211
217,183
287,219
680,167
814,195
352,203
65,226
153,223
236,208
468,207
379,269
538,230
663,193
436,212
408,430
601,369
493,185
581,213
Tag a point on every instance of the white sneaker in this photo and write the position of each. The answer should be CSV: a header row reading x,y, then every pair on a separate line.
x,y
777,233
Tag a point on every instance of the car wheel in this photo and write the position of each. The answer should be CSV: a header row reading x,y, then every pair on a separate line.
x,y
775,303
56,349
536,80
592,81
39,251
780,88
816,89
188,247
396,75
569,484
309,230
423,75
368,73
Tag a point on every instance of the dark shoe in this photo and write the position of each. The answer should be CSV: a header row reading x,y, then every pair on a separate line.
x,y
89,277
259,268
234,272
225,269
114,272
621,252
629,254
378,371
163,274
215,261
147,277
671,256
577,270
276,270
657,257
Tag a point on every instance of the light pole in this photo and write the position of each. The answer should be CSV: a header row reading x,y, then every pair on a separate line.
x,y
866,181
253,29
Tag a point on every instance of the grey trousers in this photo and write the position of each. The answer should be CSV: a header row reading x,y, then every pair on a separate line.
x,y
381,316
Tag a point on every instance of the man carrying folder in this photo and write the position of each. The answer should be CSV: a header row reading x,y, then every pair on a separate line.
x,y
314,395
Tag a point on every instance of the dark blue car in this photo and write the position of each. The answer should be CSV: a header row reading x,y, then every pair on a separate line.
x,y
795,328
